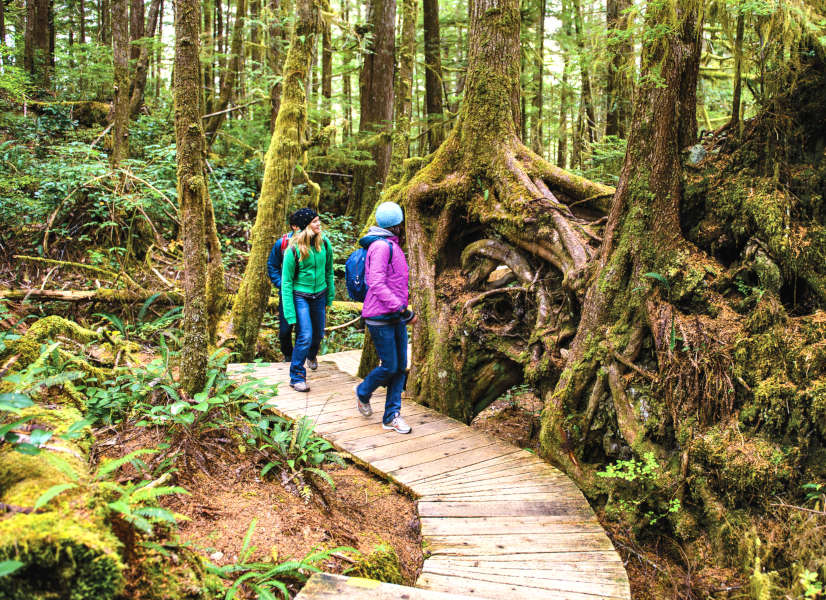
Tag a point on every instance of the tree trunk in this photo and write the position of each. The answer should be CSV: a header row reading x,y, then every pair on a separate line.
x,y
564,92
588,115
255,33
376,108
346,87
120,62
539,66
275,55
738,74
486,200
208,52
192,193
38,57
82,19
642,236
326,74
433,74
404,91
105,23
230,74
142,66
285,148
136,28
619,85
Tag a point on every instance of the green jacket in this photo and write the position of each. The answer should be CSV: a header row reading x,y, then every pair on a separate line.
x,y
315,273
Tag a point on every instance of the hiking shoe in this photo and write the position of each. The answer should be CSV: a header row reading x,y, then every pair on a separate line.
x,y
364,407
312,363
300,386
398,425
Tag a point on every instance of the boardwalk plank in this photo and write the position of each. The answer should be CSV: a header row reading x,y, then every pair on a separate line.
x,y
501,591
324,586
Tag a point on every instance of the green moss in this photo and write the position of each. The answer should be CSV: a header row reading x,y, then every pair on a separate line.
x,y
64,558
382,564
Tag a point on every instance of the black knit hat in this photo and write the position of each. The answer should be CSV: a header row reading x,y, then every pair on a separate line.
x,y
303,217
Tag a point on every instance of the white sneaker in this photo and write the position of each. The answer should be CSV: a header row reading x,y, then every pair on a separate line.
x,y
300,386
364,407
398,425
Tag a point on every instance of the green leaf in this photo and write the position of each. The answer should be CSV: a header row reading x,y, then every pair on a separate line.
x,y
28,449
114,465
659,278
248,537
157,514
38,437
146,305
7,567
178,406
14,402
51,493
115,321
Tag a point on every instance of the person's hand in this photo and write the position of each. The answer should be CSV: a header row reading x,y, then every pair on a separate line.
x,y
413,320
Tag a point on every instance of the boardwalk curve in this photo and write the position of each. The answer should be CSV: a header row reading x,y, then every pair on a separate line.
x,y
497,522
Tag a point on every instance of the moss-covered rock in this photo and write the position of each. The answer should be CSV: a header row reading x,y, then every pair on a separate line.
x,y
65,557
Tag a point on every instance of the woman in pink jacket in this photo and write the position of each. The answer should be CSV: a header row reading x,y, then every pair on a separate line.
x,y
385,312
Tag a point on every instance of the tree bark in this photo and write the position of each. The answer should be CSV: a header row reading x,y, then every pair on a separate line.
x,y
326,73
38,54
192,193
642,235
275,54
433,74
82,21
485,200
105,23
564,92
376,107
346,85
230,74
619,86
588,115
120,63
404,91
136,28
539,66
255,32
285,148
738,71
208,52
142,66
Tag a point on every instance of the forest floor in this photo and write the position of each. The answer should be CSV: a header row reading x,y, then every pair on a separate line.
x,y
361,512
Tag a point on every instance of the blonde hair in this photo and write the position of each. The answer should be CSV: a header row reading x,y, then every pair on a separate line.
x,y
304,239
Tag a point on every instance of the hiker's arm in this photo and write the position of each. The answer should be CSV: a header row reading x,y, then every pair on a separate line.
x,y
331,282
375,275
287,299
274,264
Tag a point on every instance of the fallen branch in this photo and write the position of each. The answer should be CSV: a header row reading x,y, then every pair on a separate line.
x,y
65,263
11,508
347,324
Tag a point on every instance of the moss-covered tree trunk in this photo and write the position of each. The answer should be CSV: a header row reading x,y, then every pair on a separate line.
x,y
192,193
484,201
230,74
120,62
433,74
619,82
38,54
376,108
642,236
283,154
142,62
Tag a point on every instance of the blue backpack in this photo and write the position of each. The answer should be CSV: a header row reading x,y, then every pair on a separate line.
x,y
354,273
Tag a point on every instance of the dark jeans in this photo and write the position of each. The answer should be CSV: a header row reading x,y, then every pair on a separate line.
x,y
310,319
391,346
285,334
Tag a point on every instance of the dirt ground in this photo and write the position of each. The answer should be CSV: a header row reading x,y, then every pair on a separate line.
x,y
361,512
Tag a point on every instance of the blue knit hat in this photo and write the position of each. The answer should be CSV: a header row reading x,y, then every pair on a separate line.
x,y
388,214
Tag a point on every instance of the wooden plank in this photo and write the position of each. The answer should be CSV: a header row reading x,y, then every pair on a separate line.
x,y
596,584
423,424
325,586
565,569
513,482
501,591
409,475
423,433
505,525
415,451
549,557
526,542
504,509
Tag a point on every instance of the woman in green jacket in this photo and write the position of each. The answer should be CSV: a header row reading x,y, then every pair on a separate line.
x,y
306,291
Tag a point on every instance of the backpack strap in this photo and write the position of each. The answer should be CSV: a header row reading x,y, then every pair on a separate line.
x,y
296,257
285,241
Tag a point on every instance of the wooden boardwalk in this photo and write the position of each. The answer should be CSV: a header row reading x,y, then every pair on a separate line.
x,y
497,522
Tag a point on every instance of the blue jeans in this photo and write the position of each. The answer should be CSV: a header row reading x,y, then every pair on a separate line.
x,y
391,346
310,319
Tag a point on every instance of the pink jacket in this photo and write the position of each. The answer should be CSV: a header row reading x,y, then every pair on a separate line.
x,y
386,277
